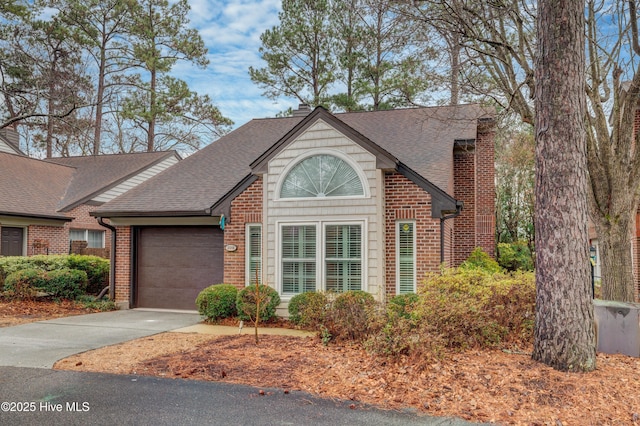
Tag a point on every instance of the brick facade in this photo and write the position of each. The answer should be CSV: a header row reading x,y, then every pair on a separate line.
x,y
44,239
245,208
485,189
406,200
474,183
123,265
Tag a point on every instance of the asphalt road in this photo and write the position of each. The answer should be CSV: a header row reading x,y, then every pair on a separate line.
x,y
35,396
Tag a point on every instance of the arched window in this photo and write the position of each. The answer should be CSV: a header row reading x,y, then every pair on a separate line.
x,y
321,176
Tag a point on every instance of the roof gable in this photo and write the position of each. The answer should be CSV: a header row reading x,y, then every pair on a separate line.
x,y
384,159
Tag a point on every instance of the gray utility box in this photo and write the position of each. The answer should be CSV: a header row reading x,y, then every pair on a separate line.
x,y
618,326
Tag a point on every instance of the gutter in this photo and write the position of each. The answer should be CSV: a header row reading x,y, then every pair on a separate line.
x,y
459,205
112,271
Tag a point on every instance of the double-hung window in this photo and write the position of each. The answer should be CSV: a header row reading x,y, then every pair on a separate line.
x,y
298,251
405,257
94,239
254,253
321,256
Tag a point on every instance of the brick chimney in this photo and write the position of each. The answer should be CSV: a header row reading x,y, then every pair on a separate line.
x,y
302,111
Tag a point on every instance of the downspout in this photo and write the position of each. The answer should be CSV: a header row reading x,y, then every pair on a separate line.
x,y
459,205
112,271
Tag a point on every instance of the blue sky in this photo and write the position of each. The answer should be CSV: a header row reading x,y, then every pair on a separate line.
x,y
231,30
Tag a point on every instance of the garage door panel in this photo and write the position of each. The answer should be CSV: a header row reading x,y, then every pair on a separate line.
x,y
175,263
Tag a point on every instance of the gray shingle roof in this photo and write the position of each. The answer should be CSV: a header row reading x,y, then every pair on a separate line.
x,y
420,138
30,187
47,188
95,174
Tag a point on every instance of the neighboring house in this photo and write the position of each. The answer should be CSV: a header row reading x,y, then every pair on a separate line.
x,y
355,201
10,141
45,204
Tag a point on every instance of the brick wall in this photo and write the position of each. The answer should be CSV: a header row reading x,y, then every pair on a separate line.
x,y
123,264
474,182
406,200
43,239
464,179
245,208
486,189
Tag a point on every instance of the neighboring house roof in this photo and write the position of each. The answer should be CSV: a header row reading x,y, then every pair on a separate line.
x,y
96,174
48,188
420,140
32,188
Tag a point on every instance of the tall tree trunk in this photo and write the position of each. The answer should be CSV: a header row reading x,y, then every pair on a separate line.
x,y
614,238
97,133
564,335
151,130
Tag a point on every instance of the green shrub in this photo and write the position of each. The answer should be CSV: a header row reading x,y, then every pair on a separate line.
x,y
66,283
97,269
217,301
478,259
24,283
515,256
246,303
103,305
474,308
11,264
350,316
402,305
308,309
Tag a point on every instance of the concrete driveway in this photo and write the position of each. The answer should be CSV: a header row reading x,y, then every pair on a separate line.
x,y
41,344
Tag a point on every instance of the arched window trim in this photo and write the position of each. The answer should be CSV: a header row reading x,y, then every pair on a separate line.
x,y
323,151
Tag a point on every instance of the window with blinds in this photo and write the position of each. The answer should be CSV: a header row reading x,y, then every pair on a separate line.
x,y
94,239
321,176
254,253
406,257
321,257
298,251
343,257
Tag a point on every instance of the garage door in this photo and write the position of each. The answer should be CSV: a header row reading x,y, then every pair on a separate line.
x,y
175,263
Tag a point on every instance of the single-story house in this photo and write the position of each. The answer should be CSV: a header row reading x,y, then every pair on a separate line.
x,y
45,204
318,201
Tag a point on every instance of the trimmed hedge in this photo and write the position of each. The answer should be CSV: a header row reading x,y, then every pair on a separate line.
x,y
308,309
246,303
24,284
96,268
217,301
350,315
66,283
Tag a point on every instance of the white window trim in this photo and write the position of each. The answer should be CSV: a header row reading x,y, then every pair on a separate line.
x,y
415,254
320,226
247,253
322,151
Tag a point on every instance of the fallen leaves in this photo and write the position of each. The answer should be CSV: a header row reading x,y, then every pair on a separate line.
x,y
480,386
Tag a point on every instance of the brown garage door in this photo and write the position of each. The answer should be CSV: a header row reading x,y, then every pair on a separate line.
x,y
175,263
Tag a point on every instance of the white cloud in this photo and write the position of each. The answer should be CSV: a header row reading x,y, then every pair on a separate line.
x,y
231,31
